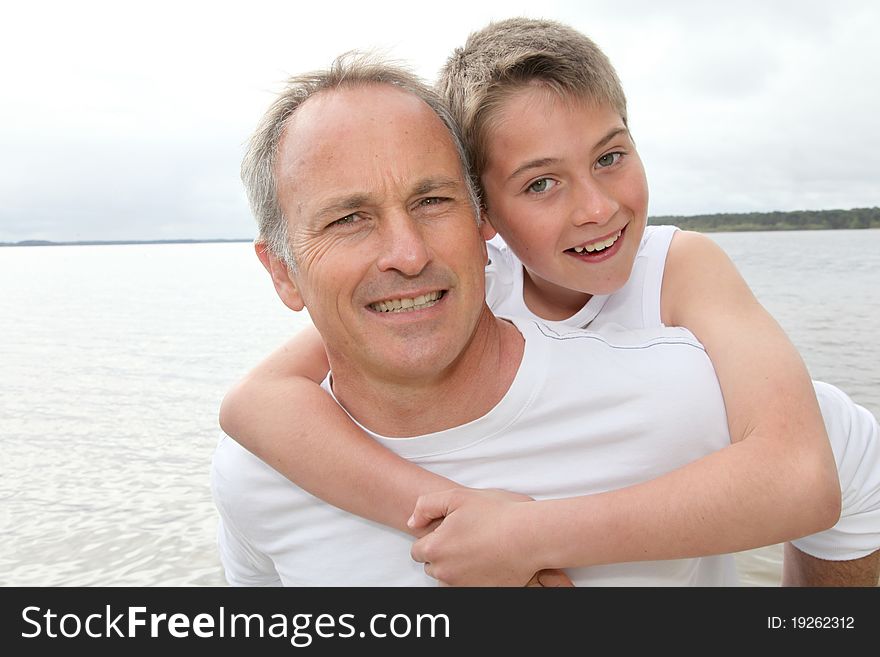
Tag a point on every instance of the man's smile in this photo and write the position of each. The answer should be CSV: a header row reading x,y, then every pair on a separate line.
x,y
408,304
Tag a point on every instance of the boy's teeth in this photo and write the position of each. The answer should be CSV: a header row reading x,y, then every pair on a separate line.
x,y
406,305
601,245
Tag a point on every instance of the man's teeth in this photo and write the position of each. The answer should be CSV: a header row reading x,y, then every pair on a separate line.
x,y
601,245
407,305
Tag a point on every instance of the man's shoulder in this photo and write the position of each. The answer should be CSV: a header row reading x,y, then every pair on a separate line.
x,y
502,270
236,471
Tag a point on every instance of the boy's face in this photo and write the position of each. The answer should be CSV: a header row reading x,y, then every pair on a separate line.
x,y
565,188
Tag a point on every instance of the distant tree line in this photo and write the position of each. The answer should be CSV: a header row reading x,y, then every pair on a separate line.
x,y
758,221
119,242
704,223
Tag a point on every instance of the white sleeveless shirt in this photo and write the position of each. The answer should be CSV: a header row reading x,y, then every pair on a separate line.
x,y
852,429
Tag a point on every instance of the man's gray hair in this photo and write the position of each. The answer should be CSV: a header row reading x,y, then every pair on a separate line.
x,y
349,70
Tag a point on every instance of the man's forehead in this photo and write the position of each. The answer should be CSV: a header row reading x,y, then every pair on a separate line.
x,y
356,140
336,110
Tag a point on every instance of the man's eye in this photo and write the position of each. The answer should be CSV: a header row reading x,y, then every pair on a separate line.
x,y
608,159
345,221
431,205
541,185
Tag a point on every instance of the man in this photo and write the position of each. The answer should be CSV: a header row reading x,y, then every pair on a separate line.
x,y
381,216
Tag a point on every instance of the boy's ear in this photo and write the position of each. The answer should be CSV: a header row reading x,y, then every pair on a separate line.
x,y
285,285
487,230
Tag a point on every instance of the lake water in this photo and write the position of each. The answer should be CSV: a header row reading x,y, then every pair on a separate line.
x,y
113,361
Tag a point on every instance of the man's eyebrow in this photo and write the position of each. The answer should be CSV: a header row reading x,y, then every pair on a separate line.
x,y
345,204
541,162
342,205
429,185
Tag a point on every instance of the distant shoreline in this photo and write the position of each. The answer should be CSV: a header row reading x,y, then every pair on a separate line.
x,y
117,242
854,219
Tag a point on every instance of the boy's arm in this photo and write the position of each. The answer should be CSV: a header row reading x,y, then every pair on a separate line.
x,y
281,414
770,400
777,480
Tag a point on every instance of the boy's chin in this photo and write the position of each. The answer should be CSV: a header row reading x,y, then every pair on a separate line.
x,y
611,284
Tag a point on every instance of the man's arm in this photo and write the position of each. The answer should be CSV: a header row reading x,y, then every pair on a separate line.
x,y
842,555
801,569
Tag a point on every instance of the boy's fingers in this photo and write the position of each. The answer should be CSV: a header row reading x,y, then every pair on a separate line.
x,y
553,579
429,507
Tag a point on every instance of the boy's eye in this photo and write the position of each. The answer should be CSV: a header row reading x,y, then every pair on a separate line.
x,y
541,185
608,159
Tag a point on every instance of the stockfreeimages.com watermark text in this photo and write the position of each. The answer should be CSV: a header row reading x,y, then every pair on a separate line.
x,y
299,629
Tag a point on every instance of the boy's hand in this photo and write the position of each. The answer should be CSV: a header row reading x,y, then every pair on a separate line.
x,y
481,540
550,579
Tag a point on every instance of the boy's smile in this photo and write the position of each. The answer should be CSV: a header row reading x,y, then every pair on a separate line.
x,y
599,249
565,188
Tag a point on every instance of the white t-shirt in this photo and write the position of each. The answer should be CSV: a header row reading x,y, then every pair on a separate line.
x,y
636,305
585,413
852,429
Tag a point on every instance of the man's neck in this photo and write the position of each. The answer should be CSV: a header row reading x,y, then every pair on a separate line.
x,y
466,390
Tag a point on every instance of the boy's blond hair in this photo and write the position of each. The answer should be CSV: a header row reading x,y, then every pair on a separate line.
x,y
508,55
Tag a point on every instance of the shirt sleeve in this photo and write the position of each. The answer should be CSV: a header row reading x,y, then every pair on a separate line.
x,y
855,440
243,565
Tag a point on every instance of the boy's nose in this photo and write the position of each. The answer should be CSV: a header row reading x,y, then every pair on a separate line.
x,y
593,204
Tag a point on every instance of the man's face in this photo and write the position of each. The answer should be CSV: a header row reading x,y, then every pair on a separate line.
x,y
389,257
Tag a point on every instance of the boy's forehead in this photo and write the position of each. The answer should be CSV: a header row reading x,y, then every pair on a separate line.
x,y
539,128
539,96
534,119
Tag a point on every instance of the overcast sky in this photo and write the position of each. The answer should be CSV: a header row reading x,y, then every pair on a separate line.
x,y
122,120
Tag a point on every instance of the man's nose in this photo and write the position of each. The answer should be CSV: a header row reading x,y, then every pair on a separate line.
x,y
593,203
403,246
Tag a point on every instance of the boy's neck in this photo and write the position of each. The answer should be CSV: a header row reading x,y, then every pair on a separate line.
x,y
550,301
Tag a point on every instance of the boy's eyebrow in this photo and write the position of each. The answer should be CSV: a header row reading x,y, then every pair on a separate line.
x,y
545,161
611,135
533,164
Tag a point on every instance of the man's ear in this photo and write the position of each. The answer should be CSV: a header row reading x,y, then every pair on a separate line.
x,y
285,286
